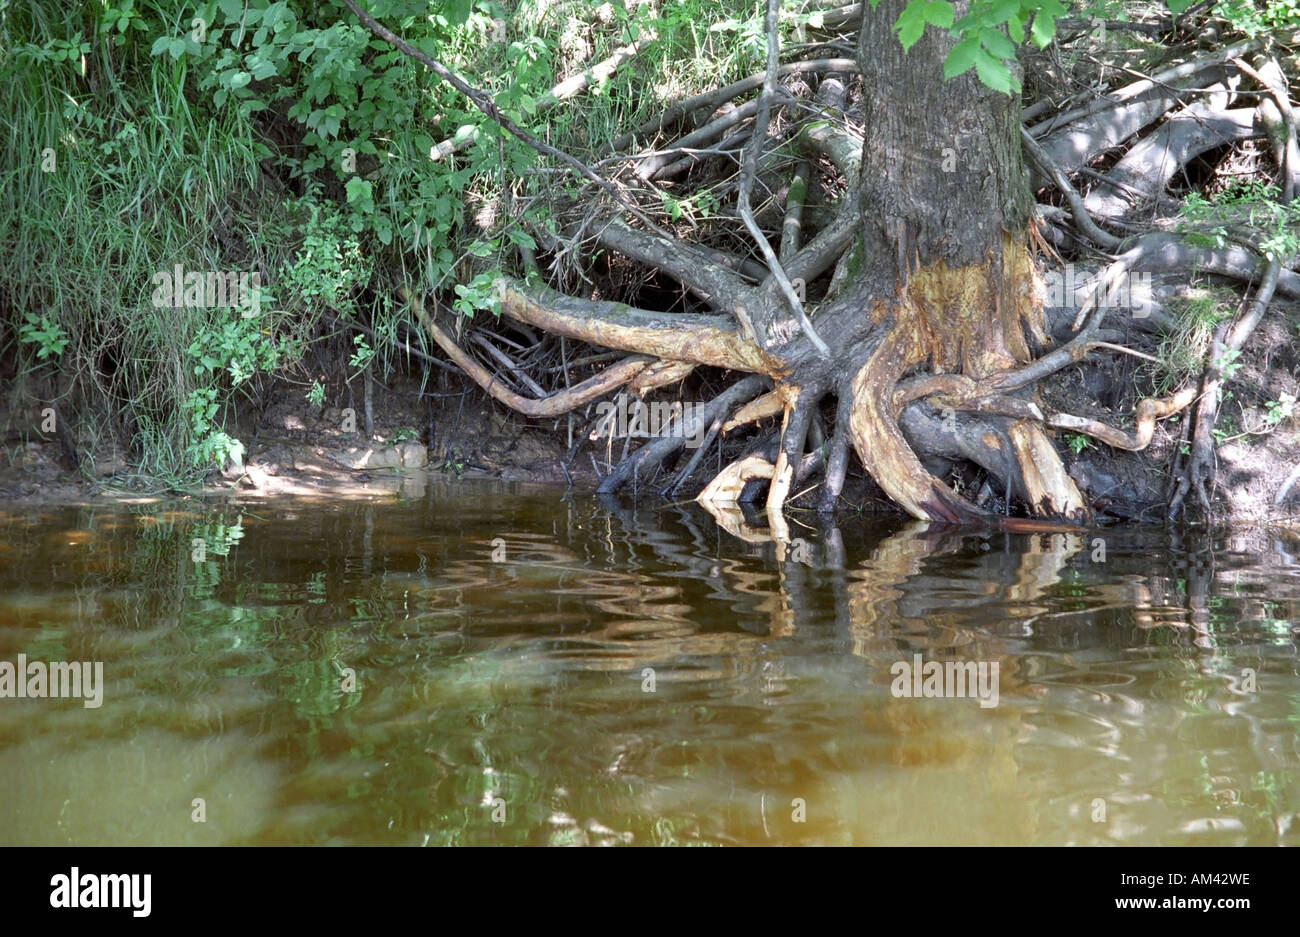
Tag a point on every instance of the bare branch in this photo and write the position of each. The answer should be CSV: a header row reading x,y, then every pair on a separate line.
x,y
750,170
710,101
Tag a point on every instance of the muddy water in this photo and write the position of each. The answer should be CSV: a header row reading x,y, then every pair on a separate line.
x,y
493,664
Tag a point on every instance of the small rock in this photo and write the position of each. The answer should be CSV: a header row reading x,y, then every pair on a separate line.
x,y
367,458
254,477
414,455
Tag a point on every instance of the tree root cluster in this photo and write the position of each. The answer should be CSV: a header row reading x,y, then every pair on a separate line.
x,y
896,394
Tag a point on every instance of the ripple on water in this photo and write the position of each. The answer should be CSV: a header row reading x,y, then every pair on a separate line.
x,y
623,675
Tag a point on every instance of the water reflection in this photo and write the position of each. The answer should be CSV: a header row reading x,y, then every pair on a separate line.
x,y
493,664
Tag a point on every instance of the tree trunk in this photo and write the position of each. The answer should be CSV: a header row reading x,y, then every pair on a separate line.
x,y
947,286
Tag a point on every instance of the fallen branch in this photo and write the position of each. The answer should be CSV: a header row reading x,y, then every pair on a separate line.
x,y
710,101
792,225
654,164
1163,79
1153,161
508,363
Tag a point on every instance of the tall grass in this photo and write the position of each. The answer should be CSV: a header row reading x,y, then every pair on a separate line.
x,y
108,178
121,163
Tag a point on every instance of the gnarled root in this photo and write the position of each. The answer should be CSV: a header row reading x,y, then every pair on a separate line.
x,y
880,444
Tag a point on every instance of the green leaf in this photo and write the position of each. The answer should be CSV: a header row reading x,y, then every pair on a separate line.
x,y
961,58
358,190
997,43
1002,11
938,13
456,11
911,23
994,73
1016,29
522,238
1043,30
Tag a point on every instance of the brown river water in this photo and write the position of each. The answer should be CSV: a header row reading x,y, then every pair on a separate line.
x,y
498,663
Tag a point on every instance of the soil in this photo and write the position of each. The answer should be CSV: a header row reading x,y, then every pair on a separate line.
x,y
296,449
456,431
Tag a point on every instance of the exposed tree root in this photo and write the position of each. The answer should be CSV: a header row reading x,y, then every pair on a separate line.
x,y
556,404
879,441
1087,227
837,459
929,314
768,405
801,402
742,390
728,485
1174,253
692,426
1148,410
1146,169
1200,471
1278,118
707,340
